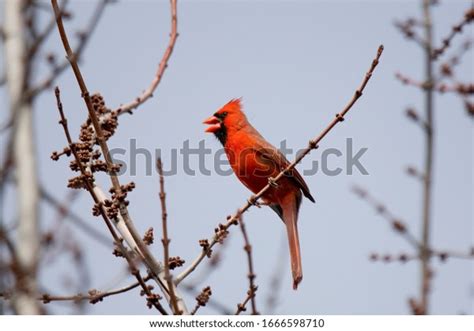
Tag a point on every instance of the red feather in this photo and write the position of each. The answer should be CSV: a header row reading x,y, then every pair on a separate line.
x,y
254,160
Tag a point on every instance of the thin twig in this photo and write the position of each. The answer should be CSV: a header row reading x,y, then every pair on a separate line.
x,y
93,296
7,164
447,71
407,28
210,267
241,307
313,144
195,309
398,225
445,254
462,89
404,79
39,40
428,172
216,305
442,255
84,38
251,275
165,240
16,267
455,30
9,243
202,299
87,177
456,58
148,93
124,223
88,182
76,219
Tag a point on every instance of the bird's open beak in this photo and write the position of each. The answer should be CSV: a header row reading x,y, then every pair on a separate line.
x,y
214,124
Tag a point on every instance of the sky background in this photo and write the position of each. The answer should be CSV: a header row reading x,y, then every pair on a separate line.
x,y
295,64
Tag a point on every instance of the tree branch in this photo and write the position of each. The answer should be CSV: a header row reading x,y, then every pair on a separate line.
x,y
84,38
398,225
18,71
455,30
39,40
123,222
148,93
93,296
165,240
313,144
251,275
216,305
76,219
241,307
428,172
99,201
202,299
442,255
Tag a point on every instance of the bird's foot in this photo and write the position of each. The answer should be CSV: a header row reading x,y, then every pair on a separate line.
x,y
272,182
254,201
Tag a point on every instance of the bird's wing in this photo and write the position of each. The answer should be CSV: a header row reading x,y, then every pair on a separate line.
x,y
268,153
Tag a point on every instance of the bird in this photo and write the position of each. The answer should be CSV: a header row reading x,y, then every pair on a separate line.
x,y
256,162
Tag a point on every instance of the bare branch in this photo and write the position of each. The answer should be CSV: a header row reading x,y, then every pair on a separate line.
x,y
7,164
84,38
455,30
428,171
313,144
407,28
40,38
397,225
76,219
409,81
202,299
251,275
94,192
216,305
415,173
23,151
241,307
446,68
9,243
148,93
123,223
442,255
166,240
93,296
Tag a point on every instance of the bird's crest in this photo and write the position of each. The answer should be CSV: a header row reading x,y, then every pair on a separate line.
x,y
234,105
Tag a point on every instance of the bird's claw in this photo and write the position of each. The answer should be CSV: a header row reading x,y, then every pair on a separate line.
x,y
272,182
253,201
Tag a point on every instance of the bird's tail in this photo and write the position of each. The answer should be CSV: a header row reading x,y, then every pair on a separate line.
x,y
290,217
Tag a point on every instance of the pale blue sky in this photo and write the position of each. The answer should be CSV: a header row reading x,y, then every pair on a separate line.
x,y
295,63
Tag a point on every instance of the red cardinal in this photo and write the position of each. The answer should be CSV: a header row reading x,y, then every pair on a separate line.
x,y
254,160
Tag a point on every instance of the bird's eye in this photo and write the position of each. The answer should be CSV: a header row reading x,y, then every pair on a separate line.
x,y
221,116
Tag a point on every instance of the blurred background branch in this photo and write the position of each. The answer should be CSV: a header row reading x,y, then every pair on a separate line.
x,y
431,83
18,73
